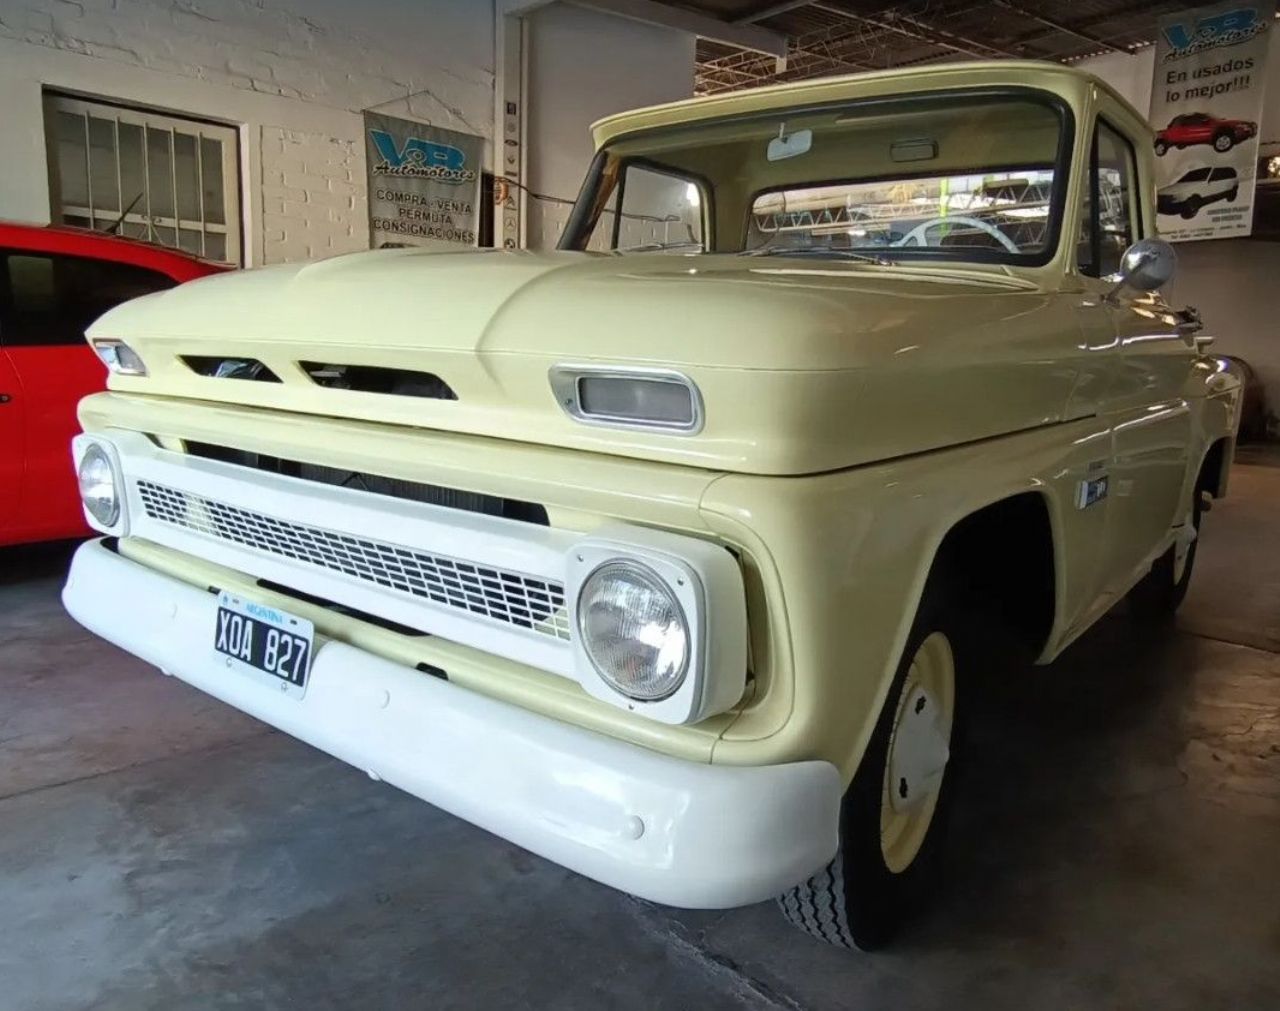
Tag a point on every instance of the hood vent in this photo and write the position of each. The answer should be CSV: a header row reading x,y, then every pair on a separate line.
x,y
217,367
376,379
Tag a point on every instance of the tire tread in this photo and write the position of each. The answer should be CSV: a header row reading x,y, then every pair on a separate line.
x,y
817,906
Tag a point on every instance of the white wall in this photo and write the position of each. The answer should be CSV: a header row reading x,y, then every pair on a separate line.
x,y
583,65
1231,281
292,75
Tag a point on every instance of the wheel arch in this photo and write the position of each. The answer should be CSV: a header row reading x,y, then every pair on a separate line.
x,y
1024,517
1021,579
1215,467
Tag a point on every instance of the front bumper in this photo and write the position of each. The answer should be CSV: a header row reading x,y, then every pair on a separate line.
x,y
667,830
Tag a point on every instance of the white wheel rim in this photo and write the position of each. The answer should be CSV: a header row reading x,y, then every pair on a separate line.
x,y
1182,546
919,748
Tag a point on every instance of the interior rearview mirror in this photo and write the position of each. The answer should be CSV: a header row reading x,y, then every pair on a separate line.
x,y
1145,266
788,145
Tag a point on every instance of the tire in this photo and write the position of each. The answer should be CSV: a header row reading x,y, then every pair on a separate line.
x,y
1158,595
1161,148
1223,142
861,898
1190,208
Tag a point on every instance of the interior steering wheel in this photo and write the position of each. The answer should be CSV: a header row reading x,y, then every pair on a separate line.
x,y
916,237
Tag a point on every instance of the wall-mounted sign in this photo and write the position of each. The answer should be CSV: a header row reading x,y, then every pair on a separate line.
x,y
1206,102
424,183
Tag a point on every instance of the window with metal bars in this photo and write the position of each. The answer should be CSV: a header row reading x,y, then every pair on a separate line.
x,y
145,175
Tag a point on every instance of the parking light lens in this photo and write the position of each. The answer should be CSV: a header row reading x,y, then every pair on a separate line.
x,y
120,358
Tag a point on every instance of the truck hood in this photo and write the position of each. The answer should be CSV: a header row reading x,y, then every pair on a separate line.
x,y
803,366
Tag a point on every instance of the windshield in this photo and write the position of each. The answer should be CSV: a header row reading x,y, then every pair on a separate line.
x,y
968,176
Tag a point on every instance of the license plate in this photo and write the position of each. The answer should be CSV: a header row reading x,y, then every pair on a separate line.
x,y
264,642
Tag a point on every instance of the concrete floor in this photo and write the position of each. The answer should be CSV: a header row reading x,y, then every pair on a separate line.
x,y
1118,843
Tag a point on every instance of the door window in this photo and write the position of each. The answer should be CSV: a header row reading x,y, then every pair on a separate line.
x,y
1110,221
50,299
652,211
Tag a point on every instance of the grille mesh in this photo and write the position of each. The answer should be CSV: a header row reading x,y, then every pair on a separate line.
x,y
509,597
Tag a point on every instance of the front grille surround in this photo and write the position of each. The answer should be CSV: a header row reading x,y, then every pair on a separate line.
x,y
503,596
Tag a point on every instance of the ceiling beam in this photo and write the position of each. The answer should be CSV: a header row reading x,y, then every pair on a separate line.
x,y
1059,26
773,10
920,31
743,36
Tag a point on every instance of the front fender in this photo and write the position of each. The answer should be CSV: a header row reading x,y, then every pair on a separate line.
x,y
842,560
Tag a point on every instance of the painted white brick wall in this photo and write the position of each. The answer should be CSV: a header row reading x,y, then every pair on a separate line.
x,y
292,74
313,195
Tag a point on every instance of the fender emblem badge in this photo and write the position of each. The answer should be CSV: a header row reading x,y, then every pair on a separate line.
x,y
1091,491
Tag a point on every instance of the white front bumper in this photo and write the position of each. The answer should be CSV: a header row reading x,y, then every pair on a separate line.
x,y
668,830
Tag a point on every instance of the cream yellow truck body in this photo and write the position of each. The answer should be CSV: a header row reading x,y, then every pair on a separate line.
x,y
856,412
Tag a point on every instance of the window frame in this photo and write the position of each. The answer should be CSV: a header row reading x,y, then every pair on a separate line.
x,y
1094,269
705,198
576,236
225,135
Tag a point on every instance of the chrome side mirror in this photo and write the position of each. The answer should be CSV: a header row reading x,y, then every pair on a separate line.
x,y
1146,265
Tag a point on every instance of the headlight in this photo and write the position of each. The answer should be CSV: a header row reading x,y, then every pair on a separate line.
x,y
634,631
98,486
119,358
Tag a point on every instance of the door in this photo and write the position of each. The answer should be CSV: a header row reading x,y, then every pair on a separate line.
x,y
1222,183
1150,420
49,300
11,444
1197,130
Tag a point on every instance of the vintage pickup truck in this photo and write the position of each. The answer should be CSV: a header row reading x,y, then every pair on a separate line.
x,y
668,554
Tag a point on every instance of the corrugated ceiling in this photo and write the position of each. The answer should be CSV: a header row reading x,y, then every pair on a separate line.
x,y
845,36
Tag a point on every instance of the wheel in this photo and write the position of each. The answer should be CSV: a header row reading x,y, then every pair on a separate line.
x,y
1161,148
1159,593
893,816
1191,208
1223,142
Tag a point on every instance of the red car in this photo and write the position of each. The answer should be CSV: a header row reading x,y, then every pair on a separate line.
x,y
54,282
1201,128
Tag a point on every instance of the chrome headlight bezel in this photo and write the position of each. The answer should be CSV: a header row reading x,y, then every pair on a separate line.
x,y
705,581
86,448
118,357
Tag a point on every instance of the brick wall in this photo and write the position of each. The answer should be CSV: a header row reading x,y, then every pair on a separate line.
x,y
313,195
292,74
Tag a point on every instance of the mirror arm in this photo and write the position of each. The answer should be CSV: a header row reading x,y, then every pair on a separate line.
x,y
1118,284
1189,323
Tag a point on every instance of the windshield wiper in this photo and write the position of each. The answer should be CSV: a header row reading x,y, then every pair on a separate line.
x,y
659,247
819,250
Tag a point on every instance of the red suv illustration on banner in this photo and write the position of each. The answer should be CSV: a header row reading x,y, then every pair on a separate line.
x,y
1201,128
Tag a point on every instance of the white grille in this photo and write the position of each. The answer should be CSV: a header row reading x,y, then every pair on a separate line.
x,y
509,597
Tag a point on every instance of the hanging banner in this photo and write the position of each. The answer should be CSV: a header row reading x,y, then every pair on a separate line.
x,y
1206,102
424,183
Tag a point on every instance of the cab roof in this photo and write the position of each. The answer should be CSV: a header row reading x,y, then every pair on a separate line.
x,y
1066,82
